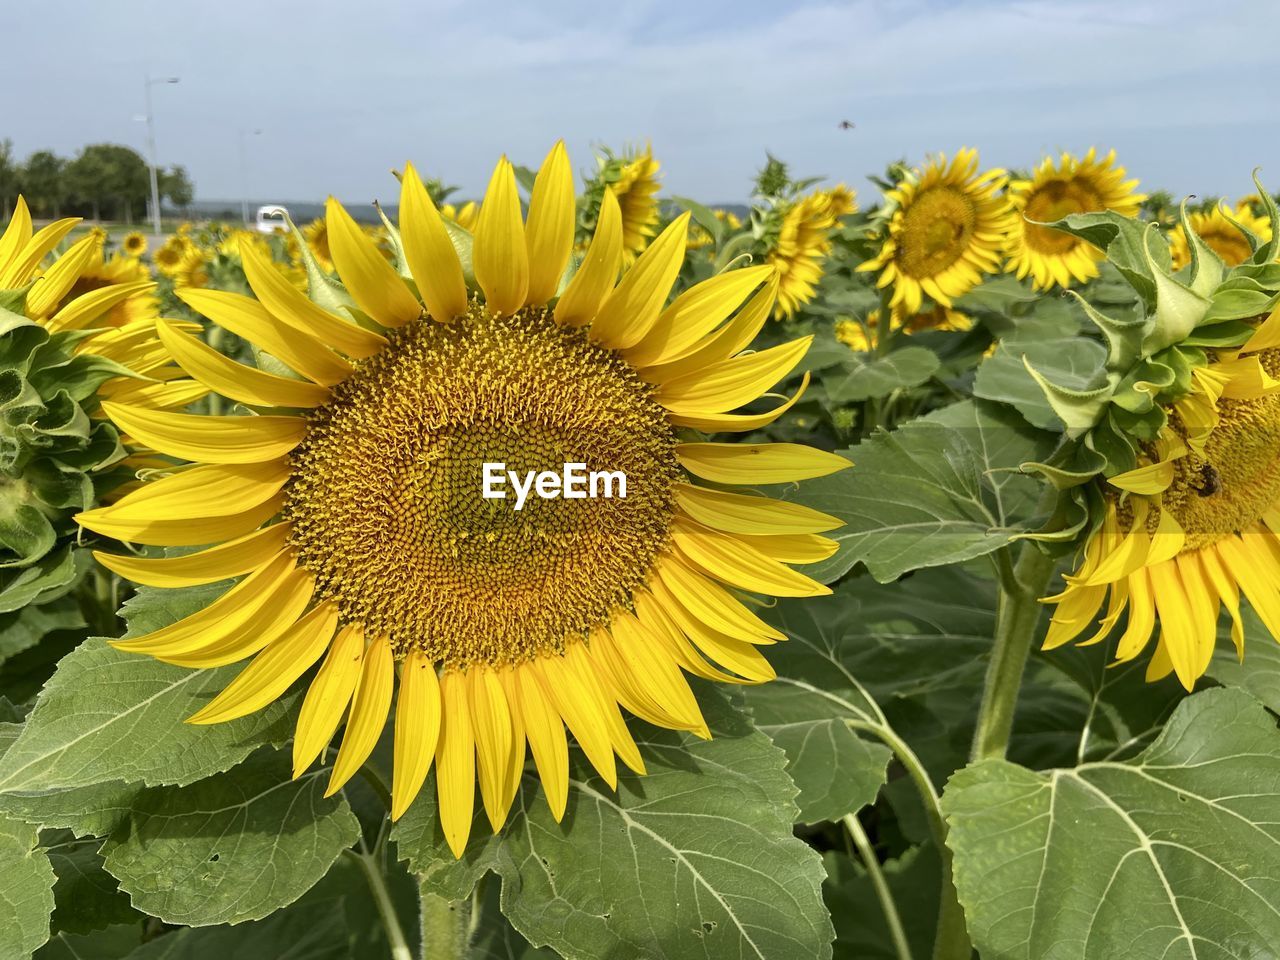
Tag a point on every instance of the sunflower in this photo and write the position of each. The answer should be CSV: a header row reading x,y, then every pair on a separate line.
x,y
1072,185
171,253
803,243
1191,522
353,506
464,216
316,233
134,244
1220,230
192,269
861,337
97,273
946,226
635,187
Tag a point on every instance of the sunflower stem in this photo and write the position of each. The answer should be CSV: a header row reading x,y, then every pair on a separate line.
x,y
372,867
881,886
1017,614
952,939
446,927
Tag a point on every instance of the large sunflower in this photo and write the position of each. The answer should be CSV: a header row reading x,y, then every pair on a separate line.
x,y
1220,230
803,243
947,225
1071,185
1189,521
353,507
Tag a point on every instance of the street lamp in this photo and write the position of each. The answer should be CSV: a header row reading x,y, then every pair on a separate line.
x,y
151,147
244,176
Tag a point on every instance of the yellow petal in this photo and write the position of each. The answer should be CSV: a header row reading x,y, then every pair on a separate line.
x,y
88,307
545,731
372,282
729,384
274,670
491,726
578,698
753,464
234,380
429,252
17,234
327,698
743,513
792,547
455,763
58,280
295,309
23,265
189,532
631,310
207,439
712,603
596,276
549,232
742,658
695,313
738,564
500,255
232,559
1142,617
724,343
662,627
368,714
735,422
249,319
656,675
417,729
1147,481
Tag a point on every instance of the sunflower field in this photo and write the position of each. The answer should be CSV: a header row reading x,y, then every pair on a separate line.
x,y
583,571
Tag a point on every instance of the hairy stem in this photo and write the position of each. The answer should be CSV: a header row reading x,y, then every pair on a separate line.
x,y
869,860
371,865
446,927
1016,618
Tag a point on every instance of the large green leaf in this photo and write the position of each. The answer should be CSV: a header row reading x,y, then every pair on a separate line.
x,y
23,628
695,859
937,490
1259,671
1074,362
111,715
1175,854
26,890
880,376
87,897
862,933
236,846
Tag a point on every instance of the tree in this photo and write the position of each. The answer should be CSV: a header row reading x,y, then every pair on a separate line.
x,y
9,176
176,186
44,182
111,177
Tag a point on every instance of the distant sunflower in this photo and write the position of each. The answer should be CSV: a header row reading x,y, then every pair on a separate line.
x,y
171,253
134,244
98,273
803,243
316,233
192,270
464,216
1221,235
636,189
352,506
862,337
947,226
1072,185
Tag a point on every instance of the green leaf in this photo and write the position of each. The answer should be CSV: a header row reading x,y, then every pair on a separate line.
x,y
304,932
1073,362
23,628
114,943
87,897
900,370
697,858
236,846
1259,673
1175,854
861,931
110,715
496,938
937,490
26,890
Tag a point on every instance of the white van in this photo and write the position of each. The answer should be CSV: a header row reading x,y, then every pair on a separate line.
x,y
271,219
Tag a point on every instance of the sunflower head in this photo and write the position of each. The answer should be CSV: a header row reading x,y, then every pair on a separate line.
x,y
860,336
1060,188
485,477
802,241
944,227
1173,451
316,235
1233,234
63,349
134,244
632,179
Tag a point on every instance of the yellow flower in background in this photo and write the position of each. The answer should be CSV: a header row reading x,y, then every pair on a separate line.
x,y
464,216
700,239
1070,185
636,190
1220,234
353,505
861,337
1194,527
803,243
171,253
97,273
134,244
229,246
316,233
947,226
192,269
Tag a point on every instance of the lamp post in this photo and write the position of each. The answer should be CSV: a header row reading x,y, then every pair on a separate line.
x,y
244,176
151,149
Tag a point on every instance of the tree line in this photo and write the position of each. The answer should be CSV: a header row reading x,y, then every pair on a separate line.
x,y
104,180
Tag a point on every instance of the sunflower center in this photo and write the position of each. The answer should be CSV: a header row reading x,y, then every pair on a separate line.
x,y
935,233
386,497
1052,201
1238,478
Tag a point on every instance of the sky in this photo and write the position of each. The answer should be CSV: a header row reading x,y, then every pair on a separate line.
x,y
342,92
